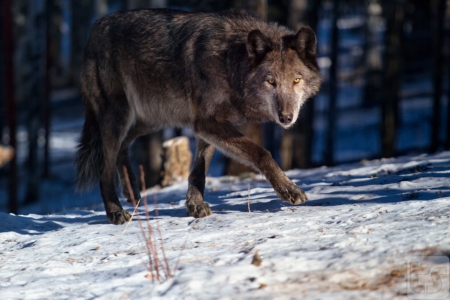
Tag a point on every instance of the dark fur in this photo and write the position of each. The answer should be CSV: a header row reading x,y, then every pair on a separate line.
x,y
146,69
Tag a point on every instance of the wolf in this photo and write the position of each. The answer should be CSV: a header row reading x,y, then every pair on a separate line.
x,y
146,69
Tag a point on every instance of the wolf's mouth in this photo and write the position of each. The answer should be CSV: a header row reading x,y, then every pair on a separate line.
x,y
285,126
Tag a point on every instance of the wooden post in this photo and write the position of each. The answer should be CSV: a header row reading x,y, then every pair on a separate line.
x,y
177,158
8,43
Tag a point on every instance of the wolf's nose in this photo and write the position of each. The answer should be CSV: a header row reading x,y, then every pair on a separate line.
x,y
285,118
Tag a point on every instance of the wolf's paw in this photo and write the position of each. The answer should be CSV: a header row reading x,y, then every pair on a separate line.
x,y
198,210
195,206
292,193
118,217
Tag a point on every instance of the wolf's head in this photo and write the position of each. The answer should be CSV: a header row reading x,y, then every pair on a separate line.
x,y
283,74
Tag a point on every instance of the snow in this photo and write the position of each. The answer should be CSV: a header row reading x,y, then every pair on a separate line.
x,y
355,238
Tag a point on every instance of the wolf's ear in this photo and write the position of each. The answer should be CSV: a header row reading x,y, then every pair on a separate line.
x,y
257,45
305,40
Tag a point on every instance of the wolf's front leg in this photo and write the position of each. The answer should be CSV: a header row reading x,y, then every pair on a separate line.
x,y
195,205
231,142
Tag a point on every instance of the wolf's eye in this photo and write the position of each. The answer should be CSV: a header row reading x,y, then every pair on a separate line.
x,y
271,81
296,80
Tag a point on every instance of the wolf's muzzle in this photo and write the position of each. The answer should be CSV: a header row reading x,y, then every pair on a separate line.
x,y
285,119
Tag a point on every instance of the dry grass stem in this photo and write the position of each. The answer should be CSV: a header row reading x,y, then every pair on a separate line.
x,y
130,191
158,267
248,199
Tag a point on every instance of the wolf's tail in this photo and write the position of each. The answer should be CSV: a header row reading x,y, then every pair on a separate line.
x,y
89,155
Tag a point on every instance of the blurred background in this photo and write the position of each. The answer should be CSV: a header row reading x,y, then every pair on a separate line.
x,y
385,67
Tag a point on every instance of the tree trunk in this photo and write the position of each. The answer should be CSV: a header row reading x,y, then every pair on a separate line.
x,y
8,51
298,17
258,7
447,138
394,15
82,13
437,8
373,88
333,90
142,4
35,60
51,35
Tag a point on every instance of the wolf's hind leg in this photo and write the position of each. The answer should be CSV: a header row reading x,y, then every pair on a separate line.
x,y
195,205
114,211
113,131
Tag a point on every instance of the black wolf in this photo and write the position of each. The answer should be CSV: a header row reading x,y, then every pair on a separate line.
x,y
146,69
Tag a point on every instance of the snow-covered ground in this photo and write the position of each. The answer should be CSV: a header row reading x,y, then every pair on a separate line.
x,y
373,230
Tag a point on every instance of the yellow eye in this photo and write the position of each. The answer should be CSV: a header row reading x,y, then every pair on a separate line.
x,y
271,81
296,80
